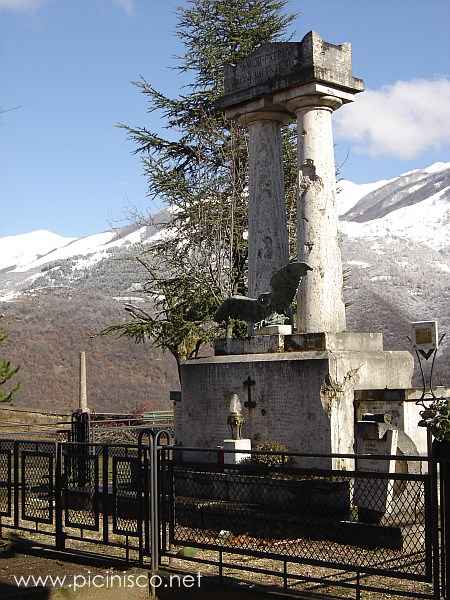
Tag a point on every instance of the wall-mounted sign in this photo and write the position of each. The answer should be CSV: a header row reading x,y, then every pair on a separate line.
x,y
425,336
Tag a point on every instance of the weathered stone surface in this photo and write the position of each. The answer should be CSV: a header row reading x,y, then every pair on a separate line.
x,y
401,405
303,399
320,298
344,341
267,227
303,342
277,66
375,495
257,344
275,330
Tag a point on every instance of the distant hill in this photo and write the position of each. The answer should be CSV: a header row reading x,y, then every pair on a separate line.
x,y
55,292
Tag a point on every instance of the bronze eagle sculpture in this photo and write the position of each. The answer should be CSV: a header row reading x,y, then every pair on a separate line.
x,y
283,284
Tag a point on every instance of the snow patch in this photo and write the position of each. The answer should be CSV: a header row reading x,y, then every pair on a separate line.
x,y
351,193
128,299
358,263
20,250
426,222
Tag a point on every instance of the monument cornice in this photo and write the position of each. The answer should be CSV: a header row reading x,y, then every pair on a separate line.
x,y
280,66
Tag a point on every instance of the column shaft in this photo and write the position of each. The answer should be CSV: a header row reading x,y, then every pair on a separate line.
x,y
320,298
268,246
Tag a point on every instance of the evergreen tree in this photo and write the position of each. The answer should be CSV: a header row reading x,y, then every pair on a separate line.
x,y
199,171
7,372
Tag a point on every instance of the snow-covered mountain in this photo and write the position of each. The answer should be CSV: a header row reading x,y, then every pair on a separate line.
x,y
45,259
395,242
414,206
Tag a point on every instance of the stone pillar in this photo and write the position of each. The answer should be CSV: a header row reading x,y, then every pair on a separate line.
x,y
268,247
82,398
320,298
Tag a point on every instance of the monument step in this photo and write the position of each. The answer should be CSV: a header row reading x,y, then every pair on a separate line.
x,y
255,521
301,342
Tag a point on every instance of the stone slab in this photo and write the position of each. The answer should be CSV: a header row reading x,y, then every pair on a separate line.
x,y
230,446
219,516
301,342
277,66
375,495
258,344
400,405
345,341
256,358
275,330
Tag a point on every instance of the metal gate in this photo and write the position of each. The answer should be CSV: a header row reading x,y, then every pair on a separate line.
x,y
362,531
290,517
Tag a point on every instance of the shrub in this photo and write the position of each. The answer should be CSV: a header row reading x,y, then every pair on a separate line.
x,y
269,460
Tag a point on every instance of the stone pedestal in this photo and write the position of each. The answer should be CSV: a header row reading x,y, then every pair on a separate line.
x,y
304,393
230,446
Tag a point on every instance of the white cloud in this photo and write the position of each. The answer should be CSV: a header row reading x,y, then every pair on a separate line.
x,y
400,120
20,5
127,5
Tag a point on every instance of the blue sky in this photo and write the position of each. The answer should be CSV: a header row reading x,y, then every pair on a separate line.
x,y
68,64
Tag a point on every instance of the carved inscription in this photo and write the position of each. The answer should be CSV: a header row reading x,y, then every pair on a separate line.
x,y
270,63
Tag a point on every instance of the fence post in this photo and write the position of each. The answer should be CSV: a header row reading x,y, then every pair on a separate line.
x,y
59,528
16,484
445,495
154,516
105,493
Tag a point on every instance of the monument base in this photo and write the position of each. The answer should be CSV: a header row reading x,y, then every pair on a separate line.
x,y
301,396
275,330
234,458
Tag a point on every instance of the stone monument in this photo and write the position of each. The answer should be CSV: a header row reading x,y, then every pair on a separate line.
x,y
300,387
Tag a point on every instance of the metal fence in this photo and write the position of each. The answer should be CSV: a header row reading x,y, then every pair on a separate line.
x,y
294,518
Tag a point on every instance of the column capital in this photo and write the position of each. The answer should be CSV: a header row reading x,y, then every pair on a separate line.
x,y
264,115
316,101
262,109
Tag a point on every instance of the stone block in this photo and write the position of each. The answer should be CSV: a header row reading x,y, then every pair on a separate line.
x,y
301,390
335,342
278,66
231,457
275,330
257,344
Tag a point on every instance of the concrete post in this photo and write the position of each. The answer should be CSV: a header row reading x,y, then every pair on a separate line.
x,y
268,245
320,298
82,400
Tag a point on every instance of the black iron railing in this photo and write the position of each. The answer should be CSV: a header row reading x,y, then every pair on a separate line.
x,y
295,517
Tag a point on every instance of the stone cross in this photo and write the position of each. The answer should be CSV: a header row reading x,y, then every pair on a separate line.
x,y
280,82
249,383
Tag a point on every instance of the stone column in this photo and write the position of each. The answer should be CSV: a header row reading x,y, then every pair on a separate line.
x,y
82,398
268,245
320,298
